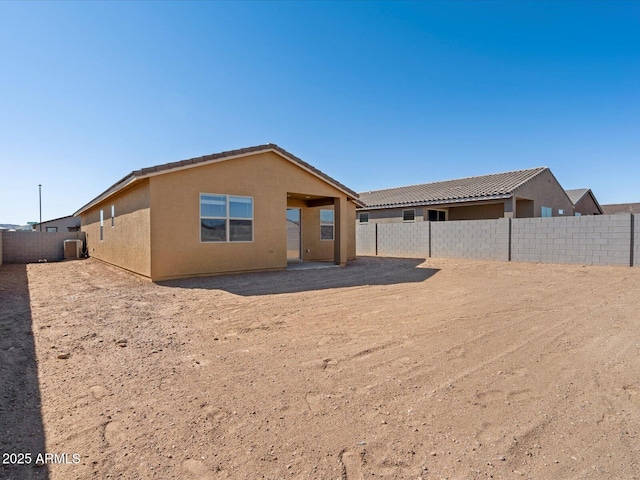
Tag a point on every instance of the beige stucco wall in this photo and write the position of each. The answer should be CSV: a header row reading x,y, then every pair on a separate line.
x,y
176,250
127,244
477,212
545,191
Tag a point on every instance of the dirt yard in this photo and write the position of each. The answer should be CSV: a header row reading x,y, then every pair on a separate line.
x,y
388,368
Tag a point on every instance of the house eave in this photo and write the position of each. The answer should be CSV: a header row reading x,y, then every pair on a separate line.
x,y
118,186
426,203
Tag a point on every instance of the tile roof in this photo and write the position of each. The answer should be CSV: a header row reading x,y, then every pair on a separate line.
x,y
229,154
485,187
613,208
576,194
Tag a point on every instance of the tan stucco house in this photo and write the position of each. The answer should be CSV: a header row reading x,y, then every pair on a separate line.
x,y
518,194
252,209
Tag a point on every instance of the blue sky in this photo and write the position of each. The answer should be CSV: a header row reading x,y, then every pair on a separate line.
x,y
375,94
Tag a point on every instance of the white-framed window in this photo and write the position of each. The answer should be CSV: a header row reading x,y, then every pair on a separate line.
x,y
113,215
547,212
101,225
52,229
561,212
326,224
364,217
226,218
409,215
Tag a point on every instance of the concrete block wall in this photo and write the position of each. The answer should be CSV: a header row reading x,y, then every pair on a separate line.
x,y
365,239
27,247
410,239
480,239
590,240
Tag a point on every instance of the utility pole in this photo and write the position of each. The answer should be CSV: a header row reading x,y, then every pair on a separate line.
x,y
40,201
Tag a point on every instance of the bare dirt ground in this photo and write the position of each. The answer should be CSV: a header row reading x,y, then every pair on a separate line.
x,y
388,368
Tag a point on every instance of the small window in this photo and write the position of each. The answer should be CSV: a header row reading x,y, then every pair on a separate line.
x,y
364,217
578,214
560,212
547,212
113,215
52,229
326,225
437,215
226,218
409,215
101,225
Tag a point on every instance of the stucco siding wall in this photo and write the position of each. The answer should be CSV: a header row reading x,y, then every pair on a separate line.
x,y
28,247
545,191
1,232
477,212
394,215
586,206
481,239
176,249
127,244
591,240
410,239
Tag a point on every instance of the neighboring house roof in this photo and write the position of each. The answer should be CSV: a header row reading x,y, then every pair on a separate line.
x,y
578,194
484,187
621,208
137,175
68,217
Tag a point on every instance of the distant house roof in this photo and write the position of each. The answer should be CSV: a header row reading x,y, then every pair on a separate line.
x,y
485,187
68,217
137,175
621,208
578,194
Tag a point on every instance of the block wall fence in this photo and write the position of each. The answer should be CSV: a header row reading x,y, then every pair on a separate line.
x,y
589,240
29,247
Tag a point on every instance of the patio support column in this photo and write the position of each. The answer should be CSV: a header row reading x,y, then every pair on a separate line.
x,y
510,207
340,231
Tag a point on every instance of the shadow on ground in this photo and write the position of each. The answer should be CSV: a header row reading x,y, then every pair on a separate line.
x,y
360,272
21,426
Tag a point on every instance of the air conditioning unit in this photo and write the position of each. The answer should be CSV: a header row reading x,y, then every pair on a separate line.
x,y
72,249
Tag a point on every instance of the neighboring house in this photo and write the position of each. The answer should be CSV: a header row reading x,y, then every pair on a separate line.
x,y
63,224
222,213
519,194
621,208
584,202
